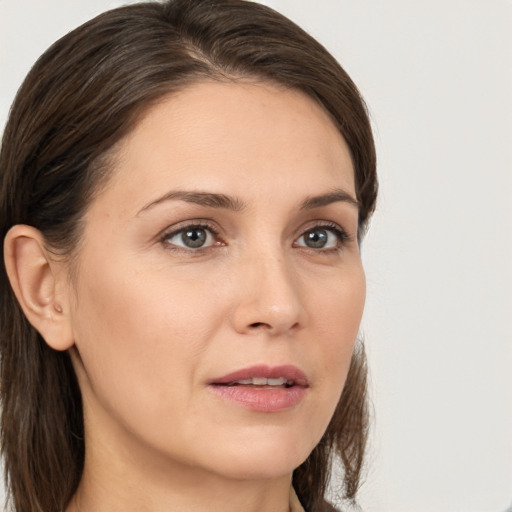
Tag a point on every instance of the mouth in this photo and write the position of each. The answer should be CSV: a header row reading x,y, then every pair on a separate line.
x,y
263,375
262,382
263,388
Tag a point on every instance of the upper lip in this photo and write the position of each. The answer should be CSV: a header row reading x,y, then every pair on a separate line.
x,y
289,372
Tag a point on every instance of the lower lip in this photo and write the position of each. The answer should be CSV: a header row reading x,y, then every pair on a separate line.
x,y
261,399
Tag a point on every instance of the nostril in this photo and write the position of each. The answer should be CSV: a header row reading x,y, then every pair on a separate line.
x,y
258,324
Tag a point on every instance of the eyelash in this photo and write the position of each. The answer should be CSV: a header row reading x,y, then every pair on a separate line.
x,y
196,225
342,236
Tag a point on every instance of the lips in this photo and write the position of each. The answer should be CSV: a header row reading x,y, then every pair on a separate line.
x,y
263,388
258,374
262,381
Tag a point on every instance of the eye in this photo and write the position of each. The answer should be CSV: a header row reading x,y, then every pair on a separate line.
x,y
322,237
191,237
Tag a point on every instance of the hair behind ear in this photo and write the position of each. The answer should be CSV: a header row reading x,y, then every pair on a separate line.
x,y
49,432
38,372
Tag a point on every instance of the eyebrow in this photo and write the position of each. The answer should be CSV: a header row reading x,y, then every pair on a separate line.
x,y
208,199
214,200
337,195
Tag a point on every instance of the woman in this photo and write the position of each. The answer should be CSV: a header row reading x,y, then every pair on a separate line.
x,y
184,188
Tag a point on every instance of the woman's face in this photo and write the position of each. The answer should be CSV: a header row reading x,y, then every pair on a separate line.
x,y
222,253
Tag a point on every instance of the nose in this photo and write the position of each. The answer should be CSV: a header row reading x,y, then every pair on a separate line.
x,y
268,298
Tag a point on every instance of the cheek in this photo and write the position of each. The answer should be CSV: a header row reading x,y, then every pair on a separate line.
x,y
336,318
139,337
338,309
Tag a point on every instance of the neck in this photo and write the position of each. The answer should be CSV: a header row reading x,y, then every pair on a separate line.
x,y
97,494
131,480
141,496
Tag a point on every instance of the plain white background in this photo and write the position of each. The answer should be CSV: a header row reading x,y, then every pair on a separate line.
x,y
437,76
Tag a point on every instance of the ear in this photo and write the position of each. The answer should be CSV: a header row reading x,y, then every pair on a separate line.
x,y
40,285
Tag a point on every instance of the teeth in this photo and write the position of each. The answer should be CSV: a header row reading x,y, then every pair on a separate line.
x,y
262,381
276,382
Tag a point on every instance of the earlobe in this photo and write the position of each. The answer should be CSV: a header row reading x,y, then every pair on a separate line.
x,y
38,282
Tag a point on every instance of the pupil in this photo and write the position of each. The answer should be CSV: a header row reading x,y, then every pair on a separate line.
x,y
316,239
194,237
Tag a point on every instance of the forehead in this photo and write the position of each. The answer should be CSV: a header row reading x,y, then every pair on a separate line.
x,y
226,137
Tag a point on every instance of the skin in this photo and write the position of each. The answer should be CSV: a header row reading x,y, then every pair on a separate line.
x,y
153,321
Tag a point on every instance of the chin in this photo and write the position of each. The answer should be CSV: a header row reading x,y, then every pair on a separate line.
x,y
256,469
262,457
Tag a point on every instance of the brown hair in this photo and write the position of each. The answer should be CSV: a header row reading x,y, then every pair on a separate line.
x,y
80,98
